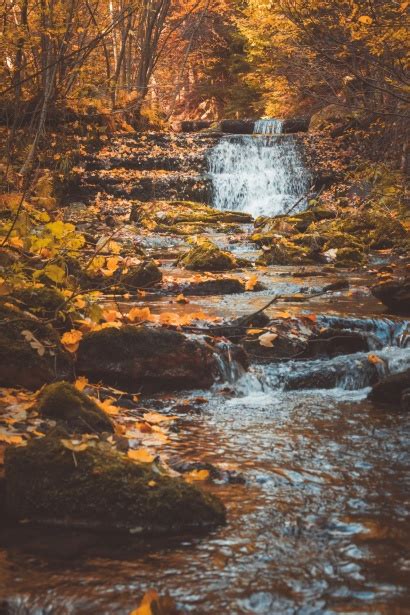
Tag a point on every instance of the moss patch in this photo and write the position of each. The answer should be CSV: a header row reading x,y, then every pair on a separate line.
x,y
101,489
64,403
144,275
43,302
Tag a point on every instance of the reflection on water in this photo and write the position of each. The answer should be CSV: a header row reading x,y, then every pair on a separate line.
x,y
321,525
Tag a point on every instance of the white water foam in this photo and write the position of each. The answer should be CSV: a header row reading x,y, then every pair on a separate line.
x,y
258,174
268,127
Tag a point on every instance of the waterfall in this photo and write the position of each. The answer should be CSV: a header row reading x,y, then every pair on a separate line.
x,y
260,174
268,127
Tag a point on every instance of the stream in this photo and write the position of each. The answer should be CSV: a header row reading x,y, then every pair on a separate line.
x,y
314,477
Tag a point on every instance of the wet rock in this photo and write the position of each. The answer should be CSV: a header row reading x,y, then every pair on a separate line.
x,y
223,286
237,127
149,358
103,490
30,351
194,125
296,124
72,408
405,400
208,257
144,275
394,294
334,342
392,390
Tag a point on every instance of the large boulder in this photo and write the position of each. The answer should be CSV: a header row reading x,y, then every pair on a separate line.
x,y
394,294
73,409
149,358
31,354
96,487
392,390
206,256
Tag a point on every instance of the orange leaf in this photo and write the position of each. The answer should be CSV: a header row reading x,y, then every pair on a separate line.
x,y
141,455
374,359
71,340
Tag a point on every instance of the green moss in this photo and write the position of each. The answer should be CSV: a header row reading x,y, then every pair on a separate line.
x,y
349,257
64,403
208,257
43,302
21,364
284,252
101,488
343,240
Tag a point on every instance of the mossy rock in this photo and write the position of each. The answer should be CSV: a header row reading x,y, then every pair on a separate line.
x,y
208,257
349,257
102,490
24,362
343,240
387,233
44,302
148,358
65,404
284,252
144,275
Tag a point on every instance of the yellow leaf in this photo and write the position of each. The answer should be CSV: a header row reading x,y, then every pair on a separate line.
x,y
181,299
155,418
81,383
254,331
107,405
141,455
11,439
150,599
152,483
75,446
139,314
366,19
284,315
374,359
71,340
197,475
251,282
111,315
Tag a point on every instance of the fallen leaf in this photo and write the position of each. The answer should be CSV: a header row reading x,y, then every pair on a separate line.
x,y
156,417
73,445
267,339
197,475
11,439
181,299
251,282
374,359
81,383
71,340
141,455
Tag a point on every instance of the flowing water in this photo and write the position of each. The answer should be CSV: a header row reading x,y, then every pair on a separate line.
x,y
261,174
315,478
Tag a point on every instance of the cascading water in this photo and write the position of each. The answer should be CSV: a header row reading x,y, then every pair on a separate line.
x,y
261,174
268,127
